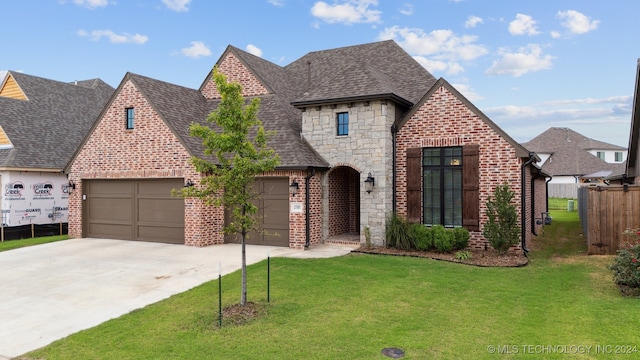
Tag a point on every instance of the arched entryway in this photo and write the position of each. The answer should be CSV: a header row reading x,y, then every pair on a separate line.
x,y
344,203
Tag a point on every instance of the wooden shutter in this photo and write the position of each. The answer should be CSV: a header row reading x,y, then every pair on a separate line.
x,y
471,187
414,185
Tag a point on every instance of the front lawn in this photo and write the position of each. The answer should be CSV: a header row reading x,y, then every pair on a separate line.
x,y
15,244
562,305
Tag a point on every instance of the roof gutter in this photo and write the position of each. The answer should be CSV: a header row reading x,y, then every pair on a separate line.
x,y
523,202
348,99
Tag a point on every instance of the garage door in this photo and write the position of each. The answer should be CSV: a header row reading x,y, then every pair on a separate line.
x,y
273,214
134,210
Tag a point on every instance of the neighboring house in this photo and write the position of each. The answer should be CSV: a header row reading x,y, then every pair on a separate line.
x,y
42,123
572,158
362,131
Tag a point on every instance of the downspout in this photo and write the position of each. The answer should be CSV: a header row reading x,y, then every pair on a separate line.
x,y
523,202
533,202
546,184
307,203
394,132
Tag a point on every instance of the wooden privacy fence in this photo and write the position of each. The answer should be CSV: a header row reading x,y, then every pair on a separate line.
x,y
610,211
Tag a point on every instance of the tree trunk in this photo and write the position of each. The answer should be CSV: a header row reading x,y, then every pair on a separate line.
x,y
243,296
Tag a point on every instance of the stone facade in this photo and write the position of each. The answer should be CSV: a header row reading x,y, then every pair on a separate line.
x,y
366,149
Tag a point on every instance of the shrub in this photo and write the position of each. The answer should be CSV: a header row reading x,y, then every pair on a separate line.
x,y
442,239
502,230
422,237
463,255
398,233
626,265
460,238
367,237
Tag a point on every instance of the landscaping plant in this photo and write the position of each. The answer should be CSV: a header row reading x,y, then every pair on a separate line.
x,y
398,233
626,265
502,230
422,236
442,238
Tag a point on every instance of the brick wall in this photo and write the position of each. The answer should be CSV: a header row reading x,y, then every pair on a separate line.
x,y
236,72
339,201
297,222
444,120
149,150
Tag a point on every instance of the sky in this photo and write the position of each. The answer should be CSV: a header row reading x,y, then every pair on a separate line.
x,y
528,64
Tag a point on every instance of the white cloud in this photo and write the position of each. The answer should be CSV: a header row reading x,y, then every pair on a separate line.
x,y
441,49
473,21
276,2
555,34
123,38
576,22
177,5
407,9
591,101
3,73
91,4
527,59
252,49
468,92
196,50
348,12
451,68
523,25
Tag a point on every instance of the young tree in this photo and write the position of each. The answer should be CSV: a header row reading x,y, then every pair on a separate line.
x,y
239,144
502,230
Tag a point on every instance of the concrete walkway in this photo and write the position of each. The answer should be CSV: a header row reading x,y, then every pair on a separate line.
x,y
50,291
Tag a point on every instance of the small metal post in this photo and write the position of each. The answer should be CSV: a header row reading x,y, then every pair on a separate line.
x,y
220,294
268,276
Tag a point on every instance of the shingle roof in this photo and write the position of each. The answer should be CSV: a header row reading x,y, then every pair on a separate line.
x,y
180,106
362,71
570,152
46,129
369,71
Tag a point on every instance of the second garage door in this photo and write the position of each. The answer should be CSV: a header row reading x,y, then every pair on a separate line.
x,y
273,214
133,210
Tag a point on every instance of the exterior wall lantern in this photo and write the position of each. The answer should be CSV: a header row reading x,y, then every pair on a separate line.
x,y
71,186
293,187
189,183
369,182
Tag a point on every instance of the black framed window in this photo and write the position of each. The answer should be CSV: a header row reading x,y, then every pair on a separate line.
x,y
442,186
129,114
600,155
618,156
342,124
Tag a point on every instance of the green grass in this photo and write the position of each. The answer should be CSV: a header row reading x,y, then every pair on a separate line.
x,y
354,306
14,244
561,204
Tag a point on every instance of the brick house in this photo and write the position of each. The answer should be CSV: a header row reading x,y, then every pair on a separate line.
x,y
345,118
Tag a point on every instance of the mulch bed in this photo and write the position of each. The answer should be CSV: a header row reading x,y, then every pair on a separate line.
x,y
483,258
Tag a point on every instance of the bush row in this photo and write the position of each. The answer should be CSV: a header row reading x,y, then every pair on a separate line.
x,y
404,236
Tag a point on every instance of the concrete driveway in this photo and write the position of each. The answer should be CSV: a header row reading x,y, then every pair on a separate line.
x,y
50,291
